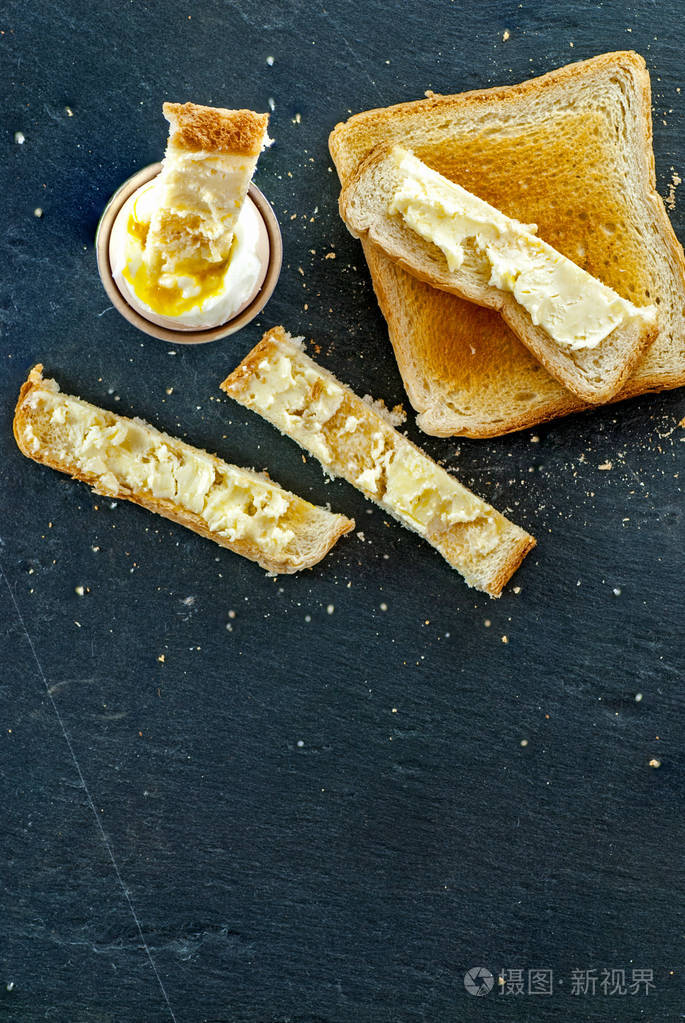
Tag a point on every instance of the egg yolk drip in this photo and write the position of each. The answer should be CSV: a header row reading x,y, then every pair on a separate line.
x,y
190,285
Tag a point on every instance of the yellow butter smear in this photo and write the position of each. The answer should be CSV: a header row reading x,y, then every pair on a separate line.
x,y
128,456
571,305
352,440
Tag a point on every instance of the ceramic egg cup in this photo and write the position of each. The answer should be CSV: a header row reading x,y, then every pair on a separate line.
x,y
180,336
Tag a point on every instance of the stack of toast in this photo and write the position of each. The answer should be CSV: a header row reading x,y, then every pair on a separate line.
x,y
570,152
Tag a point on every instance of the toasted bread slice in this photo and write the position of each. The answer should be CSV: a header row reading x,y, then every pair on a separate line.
x,y
571,152
130,460
352,438
210,158
593,369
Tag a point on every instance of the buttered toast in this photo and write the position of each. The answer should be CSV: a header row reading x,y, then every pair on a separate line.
x,y
130,460
585,334
570,151
353,439
210,158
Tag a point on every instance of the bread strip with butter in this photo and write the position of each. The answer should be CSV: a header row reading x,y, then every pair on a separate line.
x,y
210,158
353,439
128,459
585,334
570,151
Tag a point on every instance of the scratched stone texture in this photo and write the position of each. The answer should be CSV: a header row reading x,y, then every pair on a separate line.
x,y
320,799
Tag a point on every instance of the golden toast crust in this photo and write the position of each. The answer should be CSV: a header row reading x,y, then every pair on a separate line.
x,y
215,129
487,572
330,532
464,370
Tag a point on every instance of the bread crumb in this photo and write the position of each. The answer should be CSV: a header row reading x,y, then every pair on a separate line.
x,y
654,762
297,119
330,255
638,697
605,466
69,112
79,591
38,212
270,61
330,609
169,390
19,138
506,35
162,658
395,417
360,536
231,614
505,639
670,195
384,607
617,591
272,103
487,623
517,589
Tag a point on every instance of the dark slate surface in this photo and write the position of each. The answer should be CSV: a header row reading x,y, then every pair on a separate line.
x,y
220,801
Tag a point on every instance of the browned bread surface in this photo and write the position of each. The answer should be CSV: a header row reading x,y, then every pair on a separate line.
x,y
592,374
539,152
353,439
215,129
315,529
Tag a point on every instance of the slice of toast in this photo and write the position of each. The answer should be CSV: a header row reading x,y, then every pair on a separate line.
x,y
210,158
352,438
592,369
571,152
128,459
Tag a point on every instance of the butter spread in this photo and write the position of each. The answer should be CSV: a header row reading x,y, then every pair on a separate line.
x,y
199,198
574,308
191,293
289,390
424,494
130,456
300,399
